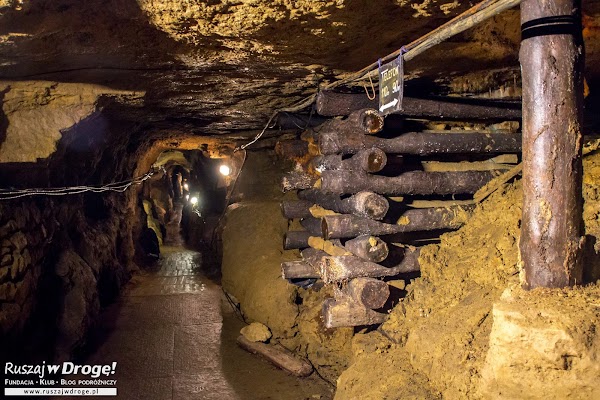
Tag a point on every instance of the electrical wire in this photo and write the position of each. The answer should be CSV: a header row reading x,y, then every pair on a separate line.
x,y
119,187
235,307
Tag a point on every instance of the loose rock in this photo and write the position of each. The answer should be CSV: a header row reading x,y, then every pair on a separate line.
x,y
256,332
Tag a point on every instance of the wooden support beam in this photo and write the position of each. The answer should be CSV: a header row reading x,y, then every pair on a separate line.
x,y
316,264
292,149
370,292
313,256
347,312
333,104
295,240
296,209
278,356
365,121
296,180
298,269
368,160
312,225
409,183
552,61
422,219
423,143
367,247
341,268
364,204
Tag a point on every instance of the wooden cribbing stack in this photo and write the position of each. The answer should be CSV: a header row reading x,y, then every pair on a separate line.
x,y
348,220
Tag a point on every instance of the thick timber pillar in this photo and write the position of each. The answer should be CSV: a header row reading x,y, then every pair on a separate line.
x,y
552,59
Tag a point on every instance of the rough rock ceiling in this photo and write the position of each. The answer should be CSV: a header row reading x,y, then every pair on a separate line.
x,y
220,66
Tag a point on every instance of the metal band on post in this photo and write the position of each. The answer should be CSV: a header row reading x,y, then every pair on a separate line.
x,y
555,25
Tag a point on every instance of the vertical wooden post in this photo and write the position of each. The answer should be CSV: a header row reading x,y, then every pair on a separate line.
x,y
552,59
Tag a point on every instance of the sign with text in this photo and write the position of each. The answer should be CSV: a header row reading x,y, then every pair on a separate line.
x,y
62,379
390,86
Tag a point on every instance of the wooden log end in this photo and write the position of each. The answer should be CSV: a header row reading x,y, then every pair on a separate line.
x,y
376,160
348,313
370,292
298,270
370,248
368,119
295,240
370,205
279,357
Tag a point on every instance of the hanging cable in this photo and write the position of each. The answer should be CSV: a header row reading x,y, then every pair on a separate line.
x,y
119,187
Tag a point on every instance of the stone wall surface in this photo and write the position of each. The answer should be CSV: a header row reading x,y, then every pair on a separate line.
x,y
56,260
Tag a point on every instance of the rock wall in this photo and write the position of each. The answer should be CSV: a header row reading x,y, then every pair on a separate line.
x,y
252,258
59,266
62,257
36,112
252,248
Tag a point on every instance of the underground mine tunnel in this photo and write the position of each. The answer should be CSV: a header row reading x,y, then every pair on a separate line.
x,y
350,199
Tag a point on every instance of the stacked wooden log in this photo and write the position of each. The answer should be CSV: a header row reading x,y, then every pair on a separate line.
x,y
355,233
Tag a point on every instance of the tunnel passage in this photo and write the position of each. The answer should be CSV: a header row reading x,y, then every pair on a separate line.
x,y
395,269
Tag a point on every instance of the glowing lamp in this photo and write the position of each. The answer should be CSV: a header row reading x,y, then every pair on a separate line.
x,y
225,170
186,186
194,200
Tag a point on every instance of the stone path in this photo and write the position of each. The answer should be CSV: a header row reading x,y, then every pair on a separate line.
x,y
172,341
